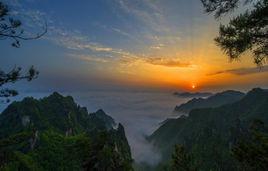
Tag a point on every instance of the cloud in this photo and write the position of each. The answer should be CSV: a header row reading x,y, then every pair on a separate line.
x,y
89,58
79,43
76,42
168,62
34,21
126,34
158,46
242,71
145,11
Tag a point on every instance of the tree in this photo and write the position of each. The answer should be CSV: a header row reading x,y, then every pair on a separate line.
x,y
105,154
11,28
245,32
181,160
251,151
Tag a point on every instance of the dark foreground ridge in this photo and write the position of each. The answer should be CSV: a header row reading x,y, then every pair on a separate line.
x,y
54,133
210,134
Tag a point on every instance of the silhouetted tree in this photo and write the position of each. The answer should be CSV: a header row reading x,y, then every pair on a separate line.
x,y
251,151
247,31
10,28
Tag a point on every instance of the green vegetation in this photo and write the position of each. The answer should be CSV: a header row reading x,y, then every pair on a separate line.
x,y
219,138
54,133
181,160
251,151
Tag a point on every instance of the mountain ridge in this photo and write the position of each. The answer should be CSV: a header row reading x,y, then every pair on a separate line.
x,y
217,127
43,131
189,94
218,99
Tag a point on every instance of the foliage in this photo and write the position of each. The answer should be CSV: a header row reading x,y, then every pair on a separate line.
x,y
247,31
105,154
251,151
13,76
54,133
209,134
8,147
181,160
11,28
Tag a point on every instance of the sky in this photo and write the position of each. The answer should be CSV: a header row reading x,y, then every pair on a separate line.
x,y
121,44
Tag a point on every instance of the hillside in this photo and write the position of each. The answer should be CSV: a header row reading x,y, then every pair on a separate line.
x,y
192,95
216,100
209,133
41,135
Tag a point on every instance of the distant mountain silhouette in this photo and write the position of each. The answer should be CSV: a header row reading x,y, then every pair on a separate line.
x,y
216,100
209,133
189,94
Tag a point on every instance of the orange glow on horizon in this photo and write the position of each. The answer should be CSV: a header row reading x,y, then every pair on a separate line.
x,y
209,69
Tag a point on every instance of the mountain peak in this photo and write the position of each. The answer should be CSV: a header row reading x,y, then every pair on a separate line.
x,y
56,97
230,92
32,127
256,94
190,94
55,94
217,127
101,117
56,112
257,90
100,111
215,100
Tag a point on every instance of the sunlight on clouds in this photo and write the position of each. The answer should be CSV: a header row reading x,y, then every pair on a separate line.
x,y
89,58
168,62
157,75
158,50
178,68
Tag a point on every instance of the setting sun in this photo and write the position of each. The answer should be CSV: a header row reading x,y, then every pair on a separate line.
x,y
193,86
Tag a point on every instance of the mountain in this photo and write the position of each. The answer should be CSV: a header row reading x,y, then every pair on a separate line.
x,y
209,133
189,95
54,133
100,116
216,100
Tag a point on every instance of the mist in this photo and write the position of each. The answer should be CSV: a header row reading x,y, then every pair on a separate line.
x,y
140,112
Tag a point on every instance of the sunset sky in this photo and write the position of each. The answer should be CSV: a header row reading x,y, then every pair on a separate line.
x,y
97,44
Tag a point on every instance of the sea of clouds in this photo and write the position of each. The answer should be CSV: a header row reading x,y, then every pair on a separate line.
x,y
140,112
